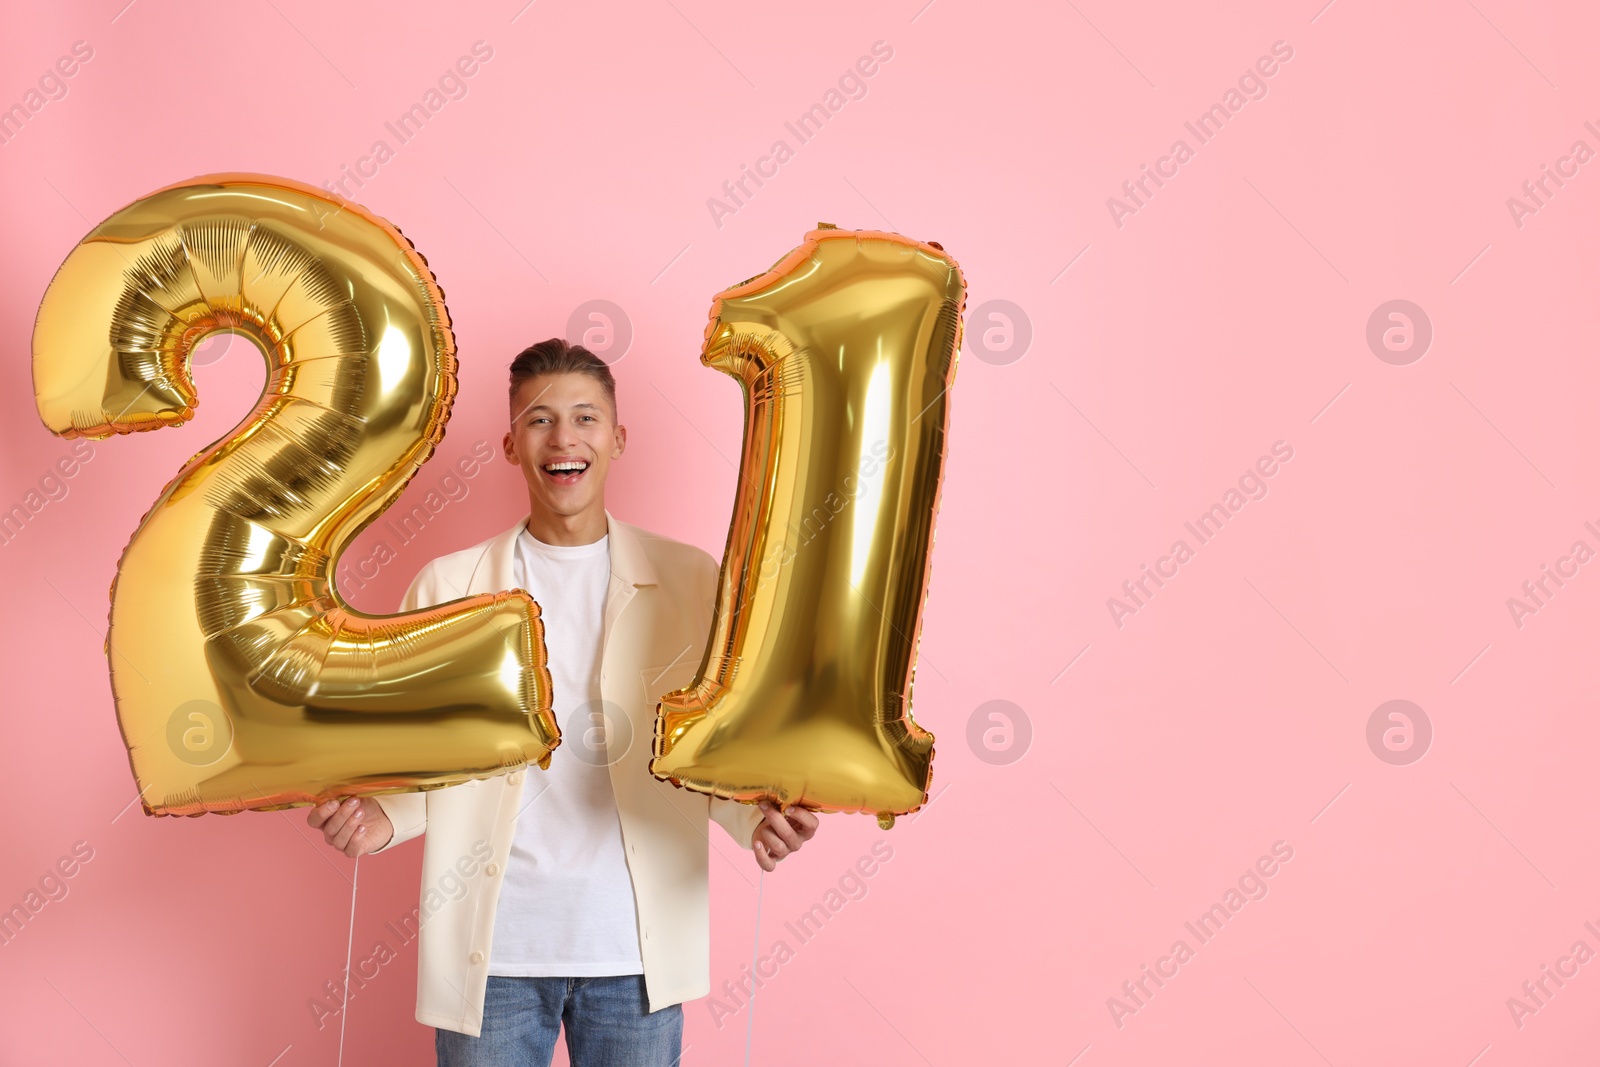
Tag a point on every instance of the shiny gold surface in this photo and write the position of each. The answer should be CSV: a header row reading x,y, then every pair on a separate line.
x,y
242,680
845,351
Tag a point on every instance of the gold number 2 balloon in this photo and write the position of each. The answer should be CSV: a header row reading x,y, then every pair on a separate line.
x,y
845,352
242,680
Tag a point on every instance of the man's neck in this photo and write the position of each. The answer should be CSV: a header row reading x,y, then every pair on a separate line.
x,y
553,529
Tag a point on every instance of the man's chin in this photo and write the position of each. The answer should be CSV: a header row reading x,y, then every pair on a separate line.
x,y
566,506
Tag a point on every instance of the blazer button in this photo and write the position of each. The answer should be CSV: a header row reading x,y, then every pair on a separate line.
x,y
493,868
476,957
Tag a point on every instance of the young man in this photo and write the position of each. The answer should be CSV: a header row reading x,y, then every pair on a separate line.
x,y
576,895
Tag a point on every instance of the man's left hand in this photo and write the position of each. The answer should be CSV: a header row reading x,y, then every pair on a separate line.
x,y
781,833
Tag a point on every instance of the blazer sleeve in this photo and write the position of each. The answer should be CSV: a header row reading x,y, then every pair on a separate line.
x,y
739,820
409,811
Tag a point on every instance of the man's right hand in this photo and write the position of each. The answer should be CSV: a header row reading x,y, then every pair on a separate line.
x,y
355,826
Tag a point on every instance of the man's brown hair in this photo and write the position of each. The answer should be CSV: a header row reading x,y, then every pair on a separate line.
x,y
556,356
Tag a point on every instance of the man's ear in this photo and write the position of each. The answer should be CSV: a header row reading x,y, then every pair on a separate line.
x,y
508,445
621,437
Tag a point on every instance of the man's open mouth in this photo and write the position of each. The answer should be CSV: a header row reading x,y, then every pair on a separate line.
x,y
565,471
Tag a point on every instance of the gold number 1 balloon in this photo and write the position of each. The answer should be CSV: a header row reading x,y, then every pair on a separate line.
x,y
242,680
845,351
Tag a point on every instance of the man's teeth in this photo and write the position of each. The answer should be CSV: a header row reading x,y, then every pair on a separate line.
x,y
566,465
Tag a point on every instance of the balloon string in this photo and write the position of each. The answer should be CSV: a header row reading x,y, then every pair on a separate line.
x,y
344,1004
755,954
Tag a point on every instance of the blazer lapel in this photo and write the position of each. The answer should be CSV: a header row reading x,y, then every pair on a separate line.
x,y
495,570
630,568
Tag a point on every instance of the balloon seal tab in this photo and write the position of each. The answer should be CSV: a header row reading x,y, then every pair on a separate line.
x,y
826,226
885,820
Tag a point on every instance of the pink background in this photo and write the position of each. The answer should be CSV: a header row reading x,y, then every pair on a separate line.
x,y
1164,755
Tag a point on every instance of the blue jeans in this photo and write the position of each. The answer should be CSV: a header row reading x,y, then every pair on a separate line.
x,y
609,1024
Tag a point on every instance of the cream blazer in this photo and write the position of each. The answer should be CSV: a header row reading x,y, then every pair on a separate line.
x,y
657,620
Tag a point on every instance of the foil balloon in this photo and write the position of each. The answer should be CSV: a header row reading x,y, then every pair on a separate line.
x,y
242,680
845,352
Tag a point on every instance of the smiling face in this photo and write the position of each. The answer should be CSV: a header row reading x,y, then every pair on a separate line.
x,y
564,435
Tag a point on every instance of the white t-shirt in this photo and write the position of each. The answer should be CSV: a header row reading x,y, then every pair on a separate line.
x,y
566,906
